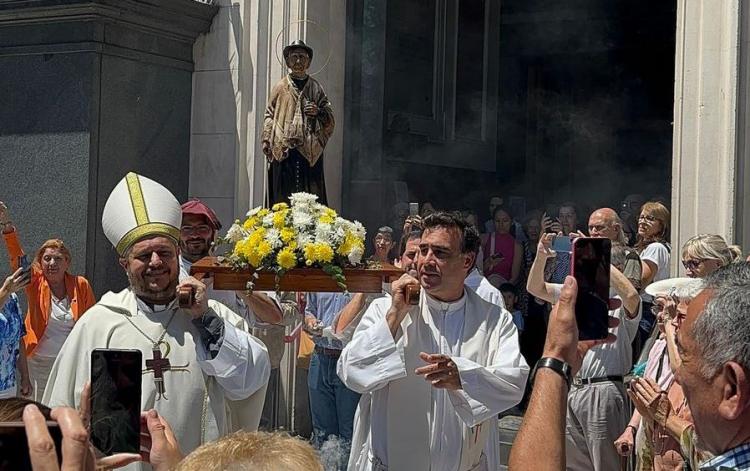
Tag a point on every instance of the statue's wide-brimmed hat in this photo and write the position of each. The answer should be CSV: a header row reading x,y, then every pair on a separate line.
x,y
139,207
298,44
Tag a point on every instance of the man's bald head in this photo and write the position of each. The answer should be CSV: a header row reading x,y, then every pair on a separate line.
x,y
604,222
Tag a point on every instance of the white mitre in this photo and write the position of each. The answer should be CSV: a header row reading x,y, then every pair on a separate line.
x,y
139,207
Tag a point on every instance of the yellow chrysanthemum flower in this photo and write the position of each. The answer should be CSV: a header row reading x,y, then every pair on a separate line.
x,y
288,235
324,253
254,259
256,237
309,252
279,206
250,223
263,213
263,249
279,219
286,259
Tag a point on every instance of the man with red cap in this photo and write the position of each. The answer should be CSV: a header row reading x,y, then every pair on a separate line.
x,y
262,310
199,230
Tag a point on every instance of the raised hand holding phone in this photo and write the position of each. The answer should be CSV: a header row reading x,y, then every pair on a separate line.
x,y
590,266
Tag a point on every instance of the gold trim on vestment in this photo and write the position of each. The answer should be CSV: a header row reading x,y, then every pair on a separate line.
x,y
150,229
136,199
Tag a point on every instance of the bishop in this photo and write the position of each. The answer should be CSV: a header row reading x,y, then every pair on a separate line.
x,y
202,371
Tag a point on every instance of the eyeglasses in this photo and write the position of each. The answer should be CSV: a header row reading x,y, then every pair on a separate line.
x,y
694,264
202,230
646,217
597,228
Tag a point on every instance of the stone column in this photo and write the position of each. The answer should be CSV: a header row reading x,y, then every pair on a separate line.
x,y
705,123
91,90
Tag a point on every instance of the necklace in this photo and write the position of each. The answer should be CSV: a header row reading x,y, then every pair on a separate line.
x,y
158,364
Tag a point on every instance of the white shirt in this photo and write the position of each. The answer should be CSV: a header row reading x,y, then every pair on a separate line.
x,y
59,325
482,286
609,359
656,253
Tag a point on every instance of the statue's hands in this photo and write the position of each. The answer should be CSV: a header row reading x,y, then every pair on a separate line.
x,y
266,147
311,109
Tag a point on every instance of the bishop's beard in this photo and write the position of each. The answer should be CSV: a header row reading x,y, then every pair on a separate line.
x,y
156,296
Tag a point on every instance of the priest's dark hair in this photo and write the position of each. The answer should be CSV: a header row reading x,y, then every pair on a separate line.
x,y
454,219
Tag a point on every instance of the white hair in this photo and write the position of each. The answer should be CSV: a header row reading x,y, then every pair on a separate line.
x,y
722,331
690,290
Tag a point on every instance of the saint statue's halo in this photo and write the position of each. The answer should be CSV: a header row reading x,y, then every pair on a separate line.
x,y
317,26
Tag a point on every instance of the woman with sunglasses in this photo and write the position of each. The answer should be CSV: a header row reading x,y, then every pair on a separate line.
x,y
654,249
706,253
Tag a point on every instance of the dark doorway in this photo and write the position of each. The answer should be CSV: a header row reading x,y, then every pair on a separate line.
x,y
544,101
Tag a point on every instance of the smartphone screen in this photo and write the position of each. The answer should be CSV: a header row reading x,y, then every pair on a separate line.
x,y
413,209
14,449
590,267
561,244
116,400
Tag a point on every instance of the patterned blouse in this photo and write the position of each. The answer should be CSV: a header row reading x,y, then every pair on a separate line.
x,y
11,332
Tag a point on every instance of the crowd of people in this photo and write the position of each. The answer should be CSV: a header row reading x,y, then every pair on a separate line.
x,y
394,385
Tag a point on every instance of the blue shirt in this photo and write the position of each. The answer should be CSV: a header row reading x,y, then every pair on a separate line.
x,y
11,332
324,307
736,459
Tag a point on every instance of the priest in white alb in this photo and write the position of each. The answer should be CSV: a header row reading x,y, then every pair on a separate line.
x,y
438,372
200,367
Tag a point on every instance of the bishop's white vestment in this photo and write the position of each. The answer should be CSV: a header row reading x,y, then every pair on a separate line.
x,y
412,426
202,395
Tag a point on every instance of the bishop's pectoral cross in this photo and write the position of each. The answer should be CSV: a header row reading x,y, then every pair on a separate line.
x,y
158,366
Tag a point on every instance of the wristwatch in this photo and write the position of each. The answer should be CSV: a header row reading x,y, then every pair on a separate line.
x,y
558,366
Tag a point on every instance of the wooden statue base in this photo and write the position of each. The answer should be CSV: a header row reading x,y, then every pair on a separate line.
x,y
358,280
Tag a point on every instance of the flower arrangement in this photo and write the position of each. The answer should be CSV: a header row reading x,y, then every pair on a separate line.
x,y
305,234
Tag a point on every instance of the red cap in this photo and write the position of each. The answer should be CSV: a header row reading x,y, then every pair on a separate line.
x,y
196,206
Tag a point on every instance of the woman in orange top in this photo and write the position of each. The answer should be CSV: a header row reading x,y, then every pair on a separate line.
x,y
56,301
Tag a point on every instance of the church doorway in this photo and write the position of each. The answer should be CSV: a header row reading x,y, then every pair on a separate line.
x,y
450,102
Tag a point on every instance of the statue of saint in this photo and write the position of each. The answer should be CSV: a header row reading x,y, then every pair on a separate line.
x,y
297,125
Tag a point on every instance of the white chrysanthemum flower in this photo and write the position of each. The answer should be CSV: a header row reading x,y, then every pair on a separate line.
x,y
302,199
273,237
304,239
323,233
355,256
236,233
254,211
301,219
359,229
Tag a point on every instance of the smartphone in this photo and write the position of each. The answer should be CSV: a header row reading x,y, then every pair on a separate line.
x,y
413,209
14,448
590,267
23,261
116,400
562,243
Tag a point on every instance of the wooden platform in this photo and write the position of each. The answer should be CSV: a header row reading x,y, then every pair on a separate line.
x,y
358,280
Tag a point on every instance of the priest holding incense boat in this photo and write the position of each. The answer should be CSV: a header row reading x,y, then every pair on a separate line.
x,y
439,372
200,365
